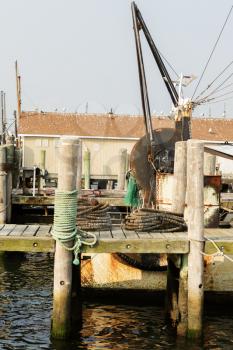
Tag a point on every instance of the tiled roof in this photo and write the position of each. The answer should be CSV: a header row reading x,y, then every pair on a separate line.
x,y
122,126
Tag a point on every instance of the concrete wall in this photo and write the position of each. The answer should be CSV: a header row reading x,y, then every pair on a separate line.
x,y
104,154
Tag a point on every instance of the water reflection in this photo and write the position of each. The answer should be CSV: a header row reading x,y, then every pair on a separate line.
x,y
25,309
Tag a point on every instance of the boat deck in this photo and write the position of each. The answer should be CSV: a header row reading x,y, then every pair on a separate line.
x,y
37,238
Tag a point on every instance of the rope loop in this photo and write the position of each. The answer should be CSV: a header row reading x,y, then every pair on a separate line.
x,y
64,227
219,252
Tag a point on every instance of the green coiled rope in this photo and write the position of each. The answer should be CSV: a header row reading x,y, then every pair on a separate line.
x,y
64,227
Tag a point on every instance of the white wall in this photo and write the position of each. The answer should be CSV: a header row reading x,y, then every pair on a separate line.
x,y
104,154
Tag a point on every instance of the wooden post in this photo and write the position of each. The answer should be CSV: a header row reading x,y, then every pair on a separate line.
x,y
178,206
2,185
41,181
172,312
122,169
183,297
62,292
195,202
42,159
127,169
17,165
10,165
180,177
79,171
209,164
87,169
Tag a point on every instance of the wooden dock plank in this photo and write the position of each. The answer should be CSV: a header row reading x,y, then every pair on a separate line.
x,y
118,234
177,235
105,235
31,230
130,234
7,229
156,235
219,233
44,230
18,230
144,235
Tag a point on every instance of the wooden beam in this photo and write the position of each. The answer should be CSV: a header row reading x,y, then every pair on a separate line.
x,y
30,200
139,246
27,244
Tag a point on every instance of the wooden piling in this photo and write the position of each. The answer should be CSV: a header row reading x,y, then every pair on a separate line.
x,y
172,312
209,164
42,159
86,161
195,203
62,291
174,290
178,206
9,179
41,180
17,165
79,170
3,175
183,297
122,169
180,177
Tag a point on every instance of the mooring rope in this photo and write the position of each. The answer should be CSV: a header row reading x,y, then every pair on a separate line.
x,y
218,252
64,228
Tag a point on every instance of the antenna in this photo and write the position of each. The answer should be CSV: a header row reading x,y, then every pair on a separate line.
x,y
18,91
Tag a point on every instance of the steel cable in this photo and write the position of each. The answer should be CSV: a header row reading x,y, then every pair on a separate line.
x,y
212,52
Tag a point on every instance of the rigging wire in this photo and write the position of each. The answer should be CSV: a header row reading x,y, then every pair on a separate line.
x,y
225,87
212,52
227,93
226,99
169,64
216,89
218,76
213,100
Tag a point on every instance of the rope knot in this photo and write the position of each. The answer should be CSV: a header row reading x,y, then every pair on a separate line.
x,y
64,227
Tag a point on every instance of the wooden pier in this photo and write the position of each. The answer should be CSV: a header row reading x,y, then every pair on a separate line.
x,y
38,239
185,250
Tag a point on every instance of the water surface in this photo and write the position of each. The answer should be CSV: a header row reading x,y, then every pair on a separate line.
x,y
25,309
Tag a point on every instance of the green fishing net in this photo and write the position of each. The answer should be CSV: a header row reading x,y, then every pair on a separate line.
x,y
132,196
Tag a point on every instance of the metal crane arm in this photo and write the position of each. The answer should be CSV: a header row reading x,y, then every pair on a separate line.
x,y
139,24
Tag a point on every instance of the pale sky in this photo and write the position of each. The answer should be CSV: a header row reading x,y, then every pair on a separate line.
x,y
75,51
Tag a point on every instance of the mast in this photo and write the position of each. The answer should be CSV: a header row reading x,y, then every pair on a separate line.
x,y
18,92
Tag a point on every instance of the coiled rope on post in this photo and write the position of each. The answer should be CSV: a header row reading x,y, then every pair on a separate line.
x,y
64,228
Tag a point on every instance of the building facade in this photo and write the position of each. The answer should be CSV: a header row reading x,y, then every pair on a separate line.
x,y
105,136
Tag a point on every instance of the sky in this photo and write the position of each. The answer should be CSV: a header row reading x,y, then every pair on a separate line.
x,y
75,52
